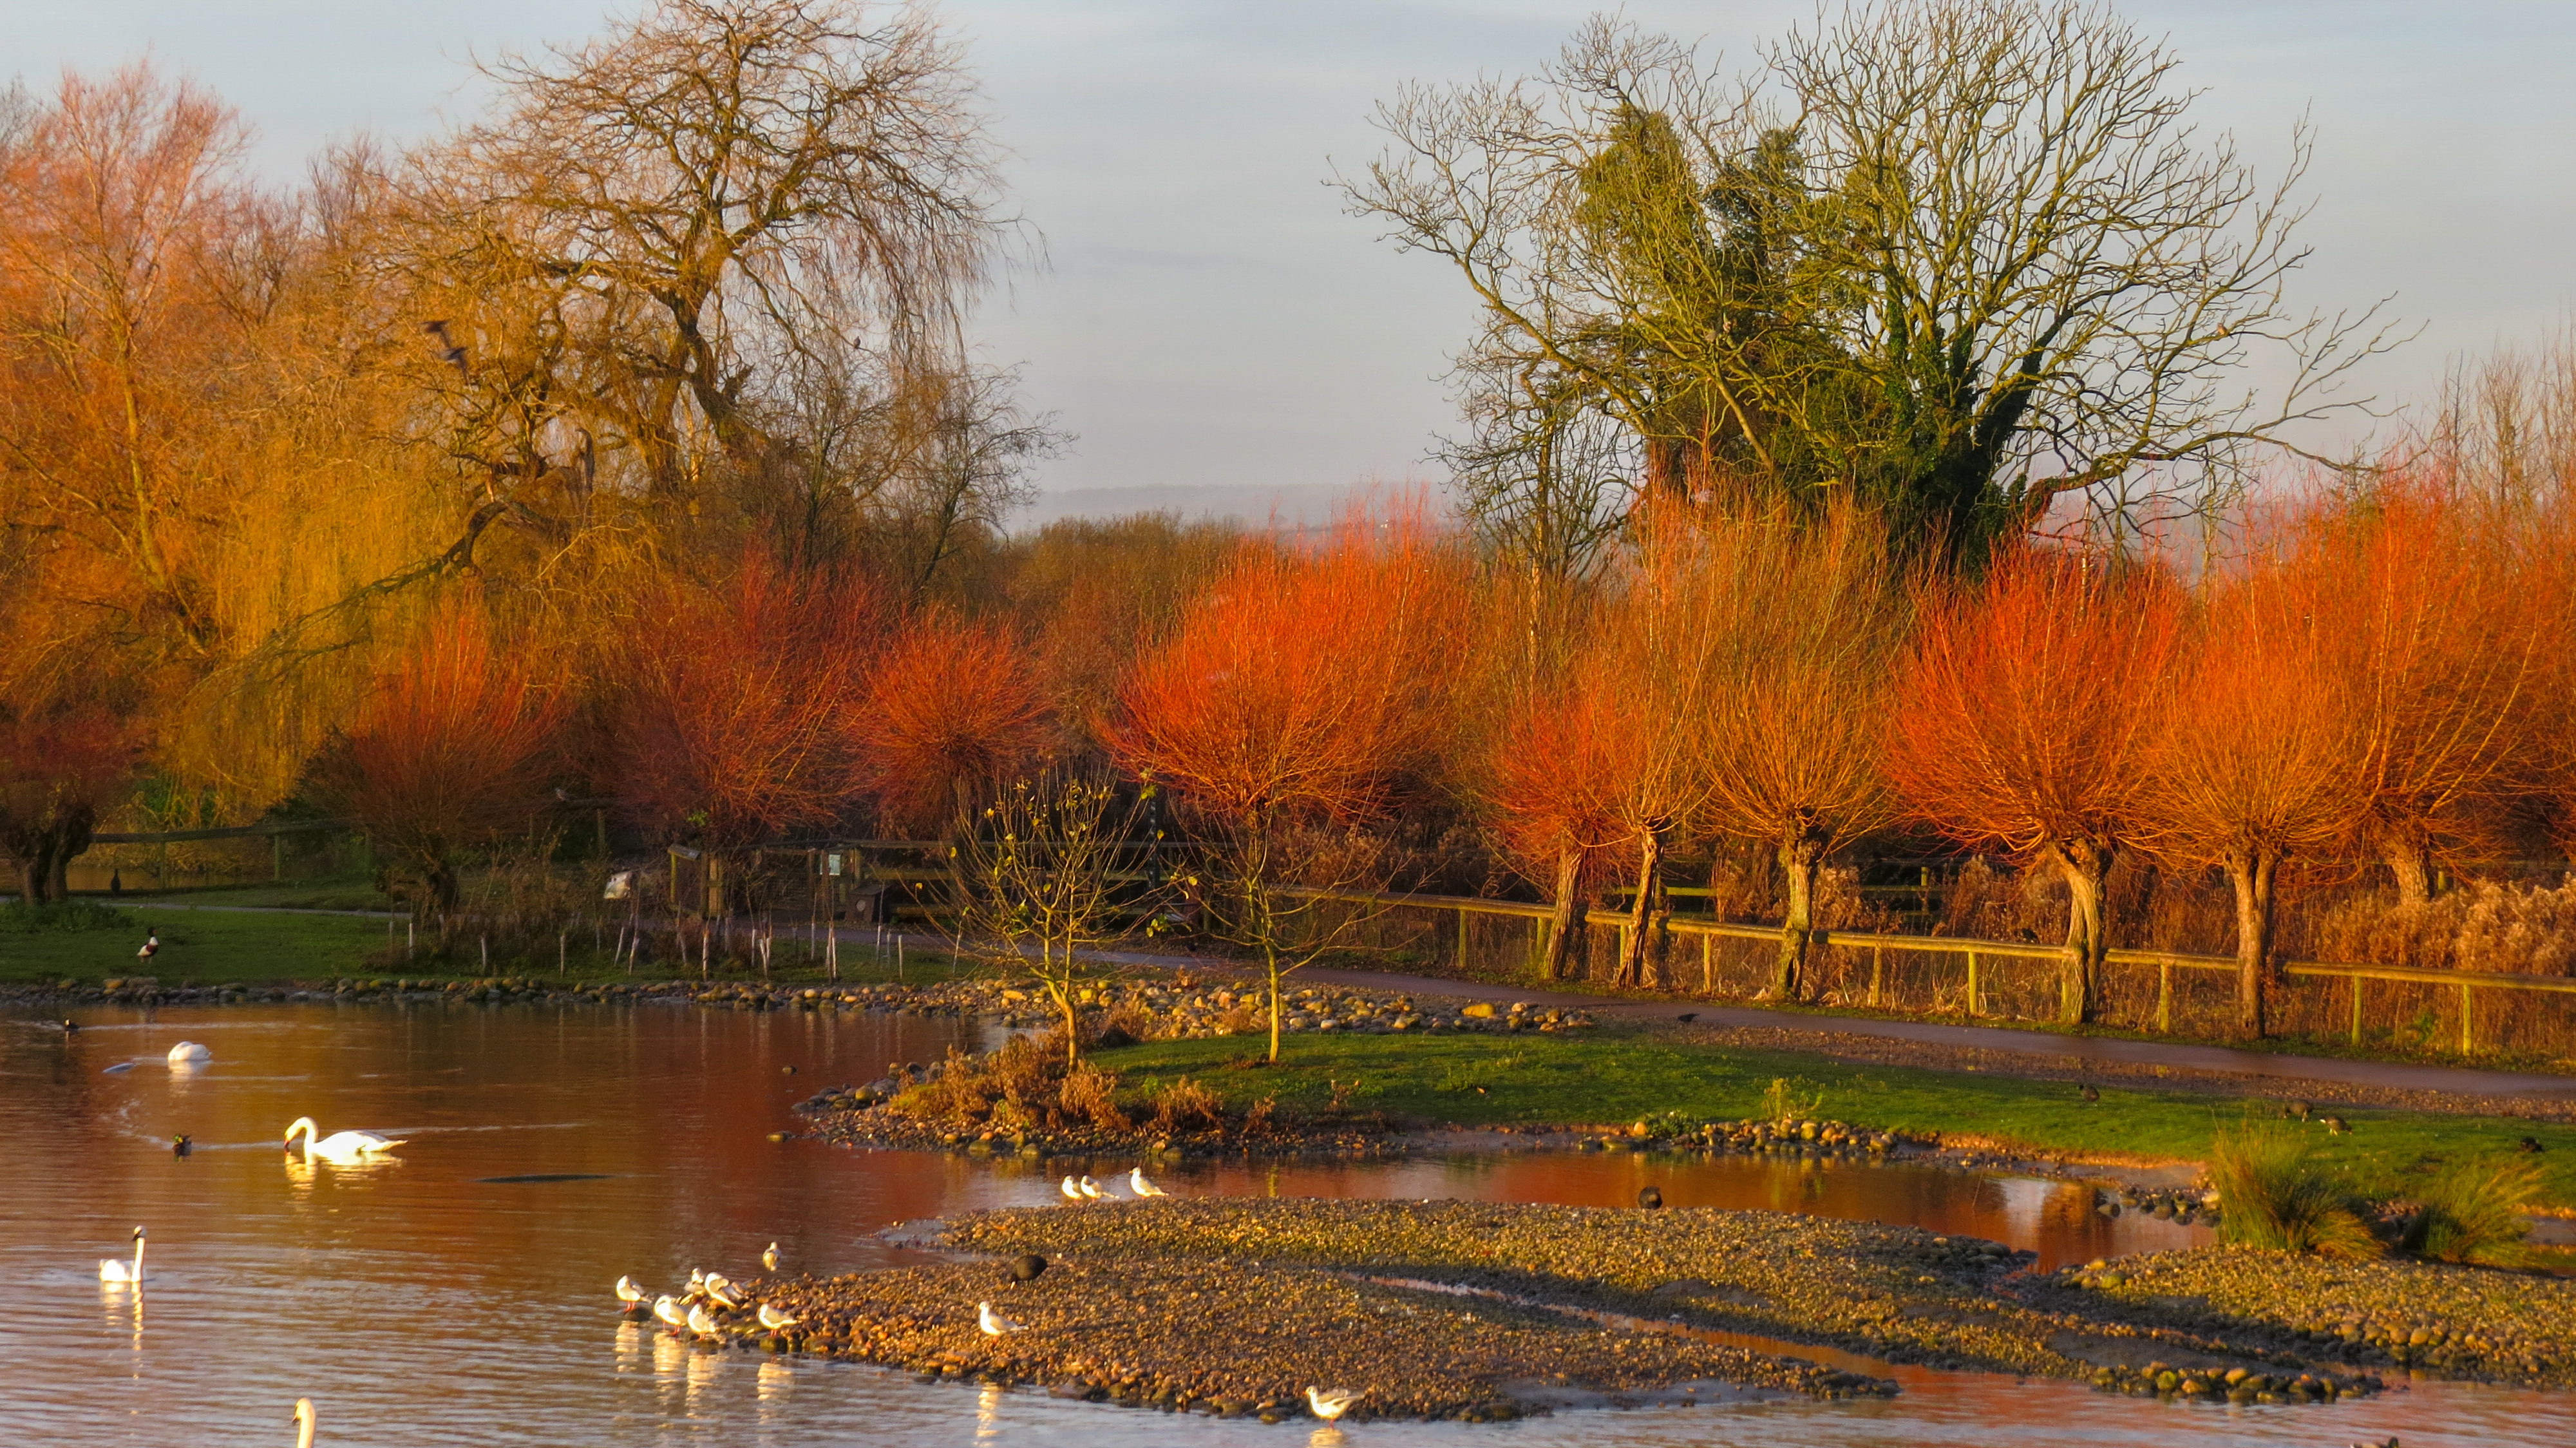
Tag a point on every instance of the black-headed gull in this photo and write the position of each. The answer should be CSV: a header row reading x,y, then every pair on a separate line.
x,y
1136,1183
1331,1403
993,1323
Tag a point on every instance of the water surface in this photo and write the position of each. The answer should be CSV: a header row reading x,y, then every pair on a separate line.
x,y
421,1301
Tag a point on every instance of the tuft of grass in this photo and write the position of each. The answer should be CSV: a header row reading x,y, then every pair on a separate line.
x,y
2274,1192
64,917
2473,1211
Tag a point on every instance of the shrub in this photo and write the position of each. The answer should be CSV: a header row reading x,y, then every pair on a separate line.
x,y
1185,1105
2473,1211
2274,1193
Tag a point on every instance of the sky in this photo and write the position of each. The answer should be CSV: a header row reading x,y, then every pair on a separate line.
x,y
1217,335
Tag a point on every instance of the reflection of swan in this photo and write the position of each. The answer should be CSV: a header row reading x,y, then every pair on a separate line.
x,y
111,1270
773,1319
1331,1403
189,1053
341,1147
304,1423
668,1310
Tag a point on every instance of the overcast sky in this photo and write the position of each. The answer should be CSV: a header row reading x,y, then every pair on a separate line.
x,y
1207,320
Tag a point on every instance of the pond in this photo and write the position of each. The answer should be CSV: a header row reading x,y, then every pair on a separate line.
x,y
458,1294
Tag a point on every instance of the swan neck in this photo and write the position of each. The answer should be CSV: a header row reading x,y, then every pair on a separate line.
x,y
303,1425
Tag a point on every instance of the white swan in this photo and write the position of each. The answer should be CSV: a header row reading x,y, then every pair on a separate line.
x,y
112,1270
1331,1403
628,1292
303,1421
667,1308
773,1319
189,1053
341,1147
1136,1183
993,1323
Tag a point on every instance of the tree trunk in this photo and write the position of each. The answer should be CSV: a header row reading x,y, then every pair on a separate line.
x,y
2410,859
2250,871
1642,912
1567,944
2084,863
1800,857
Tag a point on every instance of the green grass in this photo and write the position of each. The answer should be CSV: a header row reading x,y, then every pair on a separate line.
x,y
1614,1076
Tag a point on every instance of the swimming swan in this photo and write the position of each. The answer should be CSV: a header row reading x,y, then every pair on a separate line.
x,y
112,1270
189,1053
340,1146
303,1421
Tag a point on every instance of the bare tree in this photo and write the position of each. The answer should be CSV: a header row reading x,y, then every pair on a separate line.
x,y
1966,257
1041,885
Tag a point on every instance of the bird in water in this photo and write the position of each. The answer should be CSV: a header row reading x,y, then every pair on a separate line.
x,y
1136,1183
773,1319
182,1144
1072,1191
303,1421
70,1027
341,1148
993,1323
1091,1189
629,1293
667,1308
151,945
769,1259
1331,1403
112,1270
703,1323
189,1053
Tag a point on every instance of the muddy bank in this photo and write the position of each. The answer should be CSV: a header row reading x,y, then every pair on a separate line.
x,y
1898,1294
1234,1339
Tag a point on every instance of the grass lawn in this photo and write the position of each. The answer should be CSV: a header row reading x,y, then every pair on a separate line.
x,y
1615,1076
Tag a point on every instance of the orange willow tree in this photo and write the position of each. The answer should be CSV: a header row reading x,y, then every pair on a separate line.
x,y
2023,720
1551,783
1297,691
733,721
1804,619
451,749
949,704
2253,766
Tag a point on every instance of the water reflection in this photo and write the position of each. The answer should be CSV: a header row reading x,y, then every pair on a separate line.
x,y
462,1296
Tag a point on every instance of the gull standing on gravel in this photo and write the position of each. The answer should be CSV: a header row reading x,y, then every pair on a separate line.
x,y
1072,1192
1331,1403
704,1325
773,1319
1091,1189
993,1323
1136,1183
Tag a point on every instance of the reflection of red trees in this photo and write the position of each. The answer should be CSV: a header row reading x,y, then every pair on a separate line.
x,y
60,769
950,704
2023,720
450,750
732,727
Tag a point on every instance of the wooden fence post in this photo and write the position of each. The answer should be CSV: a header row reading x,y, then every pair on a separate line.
x,y
1707,964
2164,997
2356,1007
1972,985
1462,940
1877,971
2468,1038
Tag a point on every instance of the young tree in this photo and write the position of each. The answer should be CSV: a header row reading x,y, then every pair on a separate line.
x,y
1040,879
2024,718
451,749
2254,763
1297,691
949,704
732,723
1806,625
62,766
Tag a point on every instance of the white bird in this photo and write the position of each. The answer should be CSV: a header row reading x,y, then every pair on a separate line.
x,y
1071,1191
189,1053
340,1147
1091,1189
1136,1183
697,1283
303,1421
993,1323
667,1308
769,1259
1331,1403
628,1292
702,1324
151,945
723,1296
112,1270
773,1319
